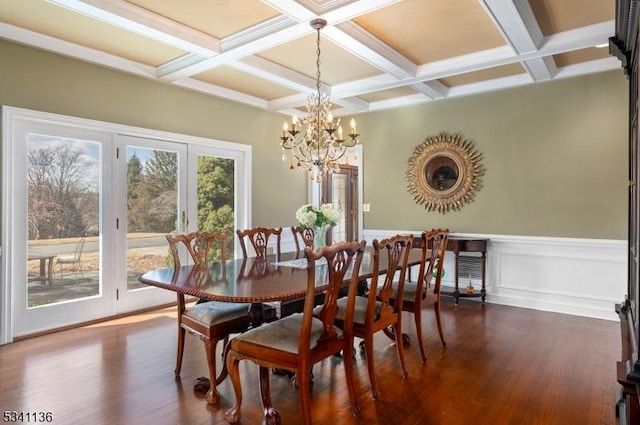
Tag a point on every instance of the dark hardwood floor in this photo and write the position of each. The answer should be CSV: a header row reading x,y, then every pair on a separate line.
x,y
501,365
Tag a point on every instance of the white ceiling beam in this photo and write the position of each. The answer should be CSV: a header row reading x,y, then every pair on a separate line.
x,y
76,51
132,18
334,12
432,89
278,74
264,36
540,69
222,92
576,39
591,67
519,27
516,23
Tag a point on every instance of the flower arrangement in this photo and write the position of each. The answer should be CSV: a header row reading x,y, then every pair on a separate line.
x,y
310,216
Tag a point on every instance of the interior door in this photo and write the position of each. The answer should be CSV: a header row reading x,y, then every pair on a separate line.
x,y
341,190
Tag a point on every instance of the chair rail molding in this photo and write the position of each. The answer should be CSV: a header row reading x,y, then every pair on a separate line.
x,y
583,277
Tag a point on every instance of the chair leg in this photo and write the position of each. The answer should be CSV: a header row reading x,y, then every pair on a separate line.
x,y
233,415
436,308
224,372
400,347
305,396
181,334
417,315
348,370
212,396
368,347
271,416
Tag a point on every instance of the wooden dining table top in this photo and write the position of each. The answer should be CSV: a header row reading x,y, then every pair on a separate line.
x,y
254,280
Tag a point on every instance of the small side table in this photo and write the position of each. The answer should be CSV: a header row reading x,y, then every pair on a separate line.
x,y
458,245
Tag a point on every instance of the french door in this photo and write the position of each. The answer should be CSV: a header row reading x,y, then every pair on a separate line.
x,y
57,203
153,176
86,210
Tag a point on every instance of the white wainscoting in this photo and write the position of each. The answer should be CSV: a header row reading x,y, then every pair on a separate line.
x,y
584,277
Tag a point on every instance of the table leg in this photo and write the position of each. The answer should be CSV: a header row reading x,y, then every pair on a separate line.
x,y
256,314
456,290
484,264
50,271
42,270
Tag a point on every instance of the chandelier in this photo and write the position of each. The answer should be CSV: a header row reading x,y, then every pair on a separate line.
x,y
321,143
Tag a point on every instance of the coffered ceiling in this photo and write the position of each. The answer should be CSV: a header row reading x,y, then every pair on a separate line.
x,y
375,54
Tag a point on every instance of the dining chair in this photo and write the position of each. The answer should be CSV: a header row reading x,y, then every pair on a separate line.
x,y
75,260
425,291
211,321
303,237
259,240
296,342
377,311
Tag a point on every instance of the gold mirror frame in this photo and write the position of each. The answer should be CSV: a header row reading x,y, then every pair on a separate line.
x,y
448,150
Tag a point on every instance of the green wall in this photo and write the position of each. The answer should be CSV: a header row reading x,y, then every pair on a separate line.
x,y
33,79
555,152
555,155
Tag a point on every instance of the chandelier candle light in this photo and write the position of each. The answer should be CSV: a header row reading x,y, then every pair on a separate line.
x,y
321,143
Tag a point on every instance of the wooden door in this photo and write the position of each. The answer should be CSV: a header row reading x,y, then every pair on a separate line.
x,y
341,190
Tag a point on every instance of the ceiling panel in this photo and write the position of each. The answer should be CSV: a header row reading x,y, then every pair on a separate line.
x,y
218,18
64,24
371,51
430,30
483,75
555,16
581,56
336,64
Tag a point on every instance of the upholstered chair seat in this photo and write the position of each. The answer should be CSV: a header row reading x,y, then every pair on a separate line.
x,y
214,312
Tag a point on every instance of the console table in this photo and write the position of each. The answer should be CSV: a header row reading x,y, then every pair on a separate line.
x,y
458,245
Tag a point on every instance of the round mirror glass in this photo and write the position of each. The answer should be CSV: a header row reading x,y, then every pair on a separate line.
x,y
441,173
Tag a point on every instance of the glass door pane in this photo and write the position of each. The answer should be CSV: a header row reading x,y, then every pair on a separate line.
x,y
152,209
63,219
216,197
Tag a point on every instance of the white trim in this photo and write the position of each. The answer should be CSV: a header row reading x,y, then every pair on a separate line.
x,y
6,298
584,277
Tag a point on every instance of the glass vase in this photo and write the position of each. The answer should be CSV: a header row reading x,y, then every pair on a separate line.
x,y
319,237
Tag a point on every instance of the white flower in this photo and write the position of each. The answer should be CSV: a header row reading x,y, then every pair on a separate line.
x,y
311,216
331,214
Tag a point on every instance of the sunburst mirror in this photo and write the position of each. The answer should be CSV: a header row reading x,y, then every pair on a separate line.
x,y
444,172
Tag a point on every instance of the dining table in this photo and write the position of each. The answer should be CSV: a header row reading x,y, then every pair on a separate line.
x,y
256,281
